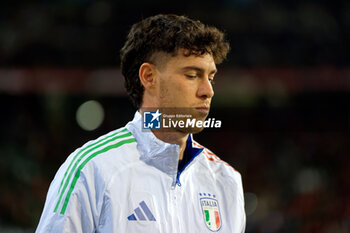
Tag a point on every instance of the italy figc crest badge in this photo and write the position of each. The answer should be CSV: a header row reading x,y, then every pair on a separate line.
x,y
211,211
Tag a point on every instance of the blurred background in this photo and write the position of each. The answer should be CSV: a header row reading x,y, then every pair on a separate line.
x,y
282,95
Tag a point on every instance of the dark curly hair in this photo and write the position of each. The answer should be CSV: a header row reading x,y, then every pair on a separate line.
x,y
166,33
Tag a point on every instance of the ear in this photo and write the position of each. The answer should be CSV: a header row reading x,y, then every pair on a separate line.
x,y
147,75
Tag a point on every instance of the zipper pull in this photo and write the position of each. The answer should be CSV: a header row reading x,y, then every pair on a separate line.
x,y
178,179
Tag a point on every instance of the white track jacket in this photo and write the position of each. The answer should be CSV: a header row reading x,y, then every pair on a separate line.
x,y
127,181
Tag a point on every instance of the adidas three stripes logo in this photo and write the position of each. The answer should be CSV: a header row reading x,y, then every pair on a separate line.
x,y
141,212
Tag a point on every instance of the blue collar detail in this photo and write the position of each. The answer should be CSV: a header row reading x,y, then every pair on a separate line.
x,y
189,154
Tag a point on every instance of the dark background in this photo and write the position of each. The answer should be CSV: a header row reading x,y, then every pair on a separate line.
x,y
282,95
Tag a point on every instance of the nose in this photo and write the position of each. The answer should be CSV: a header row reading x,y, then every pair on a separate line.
x,y
205,89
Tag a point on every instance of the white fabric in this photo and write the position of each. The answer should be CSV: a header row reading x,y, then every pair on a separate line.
x,y
113,187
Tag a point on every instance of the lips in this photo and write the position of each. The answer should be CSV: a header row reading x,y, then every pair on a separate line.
x,y
203,109
203,106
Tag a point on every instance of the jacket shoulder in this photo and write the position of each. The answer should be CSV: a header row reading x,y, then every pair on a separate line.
x,y
88,169
111,150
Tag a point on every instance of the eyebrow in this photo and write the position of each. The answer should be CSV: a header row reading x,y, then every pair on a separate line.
x,y
198,69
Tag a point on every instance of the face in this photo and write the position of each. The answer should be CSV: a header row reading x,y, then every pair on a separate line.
x,y
185,83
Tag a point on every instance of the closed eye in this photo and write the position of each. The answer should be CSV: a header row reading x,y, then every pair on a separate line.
x,y
190,76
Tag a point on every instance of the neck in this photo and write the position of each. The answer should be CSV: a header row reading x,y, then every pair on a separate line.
x,y
173,138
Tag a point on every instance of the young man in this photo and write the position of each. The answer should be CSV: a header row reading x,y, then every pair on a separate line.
x,y
143,180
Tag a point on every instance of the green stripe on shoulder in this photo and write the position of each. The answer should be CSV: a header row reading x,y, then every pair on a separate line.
x,y
77,174
82,153
84,148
